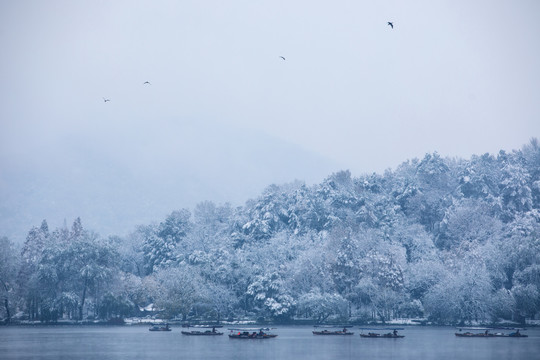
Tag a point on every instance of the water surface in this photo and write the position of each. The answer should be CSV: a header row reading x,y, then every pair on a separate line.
x,y
293,342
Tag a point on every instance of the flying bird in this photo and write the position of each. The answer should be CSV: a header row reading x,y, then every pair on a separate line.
x,y
282,57
391,24
146,83
105,100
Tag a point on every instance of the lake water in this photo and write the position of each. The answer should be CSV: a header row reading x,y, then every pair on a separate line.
x,y
293,342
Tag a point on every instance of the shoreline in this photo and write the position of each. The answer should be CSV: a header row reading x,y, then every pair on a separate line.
x,y
176,323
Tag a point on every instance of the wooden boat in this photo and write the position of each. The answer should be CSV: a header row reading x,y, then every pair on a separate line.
x,y
382,336
212,332
202,333
160,328
516,335
328,332
377,335
470,334
244,333
342,330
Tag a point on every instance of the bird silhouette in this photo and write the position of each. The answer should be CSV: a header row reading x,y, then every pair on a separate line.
x,y
146,83
391,24
105,100
282,57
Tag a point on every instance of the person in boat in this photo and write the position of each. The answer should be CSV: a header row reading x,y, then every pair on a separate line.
x,y
213,329
261,333
486,333
344,329
395,332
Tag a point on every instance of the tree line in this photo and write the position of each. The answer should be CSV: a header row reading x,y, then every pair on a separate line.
x,y
452,240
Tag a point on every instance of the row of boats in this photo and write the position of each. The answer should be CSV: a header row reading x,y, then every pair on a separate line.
x,y
394,334
264,333
242,333
489,332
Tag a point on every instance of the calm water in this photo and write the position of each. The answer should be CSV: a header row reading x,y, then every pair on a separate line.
x,y
293,342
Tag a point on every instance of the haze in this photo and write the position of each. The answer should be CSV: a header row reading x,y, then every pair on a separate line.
x,y
225,116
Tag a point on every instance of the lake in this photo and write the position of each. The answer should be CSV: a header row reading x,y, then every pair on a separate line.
x,y
293,342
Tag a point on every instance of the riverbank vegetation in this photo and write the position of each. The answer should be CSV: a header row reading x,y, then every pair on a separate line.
x,y
451,240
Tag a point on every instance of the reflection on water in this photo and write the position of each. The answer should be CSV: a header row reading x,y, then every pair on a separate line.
x,y
293,342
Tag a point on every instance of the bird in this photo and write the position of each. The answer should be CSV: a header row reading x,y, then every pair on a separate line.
x,y
391,24
282,57
105,100
146,83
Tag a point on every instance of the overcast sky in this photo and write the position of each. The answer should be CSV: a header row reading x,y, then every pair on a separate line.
x,y
225,116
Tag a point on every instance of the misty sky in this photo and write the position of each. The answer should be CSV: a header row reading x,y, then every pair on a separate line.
x,y
225,116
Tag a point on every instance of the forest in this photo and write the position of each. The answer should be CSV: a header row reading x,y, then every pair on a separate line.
x,y
449,240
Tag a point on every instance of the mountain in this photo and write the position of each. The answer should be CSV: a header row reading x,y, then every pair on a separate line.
x,y
116,177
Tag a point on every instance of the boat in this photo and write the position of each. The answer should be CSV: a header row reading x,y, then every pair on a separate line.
x,y
488,334
337,332
202,333
382,336
470,334
516,334
376,335
160,328
251,333
208,332
343,330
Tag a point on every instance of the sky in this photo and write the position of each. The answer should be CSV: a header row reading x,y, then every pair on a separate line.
x,y
224,115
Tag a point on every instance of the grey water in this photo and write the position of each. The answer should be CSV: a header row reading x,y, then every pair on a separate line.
x,y
293,342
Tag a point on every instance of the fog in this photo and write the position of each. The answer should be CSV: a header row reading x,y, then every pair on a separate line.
x,y
224,116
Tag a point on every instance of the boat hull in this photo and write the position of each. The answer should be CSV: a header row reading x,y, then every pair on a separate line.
x,y
383,336
243,336
332,333
201,333
483,335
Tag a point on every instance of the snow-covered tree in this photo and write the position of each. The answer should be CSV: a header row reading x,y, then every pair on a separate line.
x,y
345,267
479,178
320,306
527,299
422,275
219,299
177,292
9,264
68,271
27,279
462,297
468,221
454,239
268,293
516,194
162,244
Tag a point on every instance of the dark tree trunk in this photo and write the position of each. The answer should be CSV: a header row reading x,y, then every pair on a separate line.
x,y
83,299
8,314
6,304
